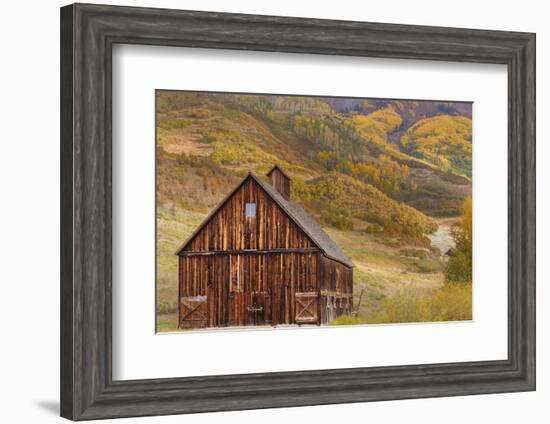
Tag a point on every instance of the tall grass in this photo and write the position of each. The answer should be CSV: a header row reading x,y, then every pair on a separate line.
x,y
452,302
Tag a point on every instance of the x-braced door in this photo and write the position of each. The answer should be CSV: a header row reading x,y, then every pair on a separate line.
x,y
307,307
193,312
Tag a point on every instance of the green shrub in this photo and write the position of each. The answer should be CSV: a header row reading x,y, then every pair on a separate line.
x,y
373,229
459,267
414,252
427,265
338,218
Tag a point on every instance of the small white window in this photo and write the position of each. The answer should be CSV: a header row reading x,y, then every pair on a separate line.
x,y
250,210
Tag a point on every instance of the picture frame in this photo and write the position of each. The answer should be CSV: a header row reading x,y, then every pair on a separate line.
x,y
88,33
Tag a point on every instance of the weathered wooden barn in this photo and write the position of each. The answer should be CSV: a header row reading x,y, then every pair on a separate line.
x,y
260,259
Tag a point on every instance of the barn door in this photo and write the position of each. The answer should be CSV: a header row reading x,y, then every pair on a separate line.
x,y
193,312
307,307
258,308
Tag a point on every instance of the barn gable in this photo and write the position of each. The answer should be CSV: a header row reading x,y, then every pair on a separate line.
x,y
248,219
255,216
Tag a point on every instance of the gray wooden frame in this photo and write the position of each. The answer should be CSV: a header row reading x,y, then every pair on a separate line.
x,y
88,33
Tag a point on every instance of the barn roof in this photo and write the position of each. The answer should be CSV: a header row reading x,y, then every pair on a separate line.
x,y
307,224
297,214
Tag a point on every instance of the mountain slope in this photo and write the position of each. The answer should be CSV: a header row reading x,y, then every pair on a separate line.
x,y
443,140
332,194
308,137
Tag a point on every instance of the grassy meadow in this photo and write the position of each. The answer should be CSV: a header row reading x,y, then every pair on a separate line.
x,y
395,176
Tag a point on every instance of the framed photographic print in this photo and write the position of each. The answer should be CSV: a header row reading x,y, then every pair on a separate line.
x,y
277,210
264,212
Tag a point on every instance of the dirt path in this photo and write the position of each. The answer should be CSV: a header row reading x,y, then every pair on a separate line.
x,y
442,238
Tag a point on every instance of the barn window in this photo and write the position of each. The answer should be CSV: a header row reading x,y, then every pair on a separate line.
x,y
250,210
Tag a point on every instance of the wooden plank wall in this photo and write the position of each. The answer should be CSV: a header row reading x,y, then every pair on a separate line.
x,y
335,276
229,229
228,281
336,289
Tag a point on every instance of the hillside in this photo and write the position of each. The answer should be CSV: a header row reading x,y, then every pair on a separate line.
x,y
206,148
338,200
443,140
368,134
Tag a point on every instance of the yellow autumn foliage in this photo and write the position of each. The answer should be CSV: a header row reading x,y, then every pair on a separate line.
x,y
375,126
444,140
